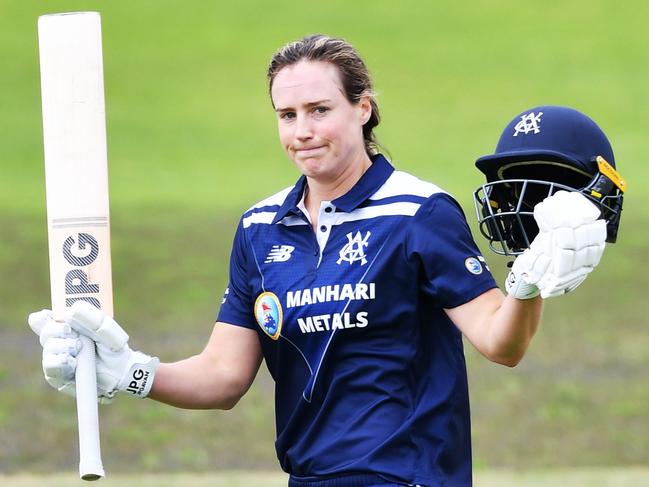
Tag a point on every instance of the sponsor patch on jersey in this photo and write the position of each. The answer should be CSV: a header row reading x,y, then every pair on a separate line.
x,y
473,265
268,312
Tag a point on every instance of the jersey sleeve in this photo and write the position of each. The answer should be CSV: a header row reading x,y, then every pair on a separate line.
x,y
237,305
453,271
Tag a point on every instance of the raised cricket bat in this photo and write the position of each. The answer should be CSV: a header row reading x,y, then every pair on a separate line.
x,y
76,180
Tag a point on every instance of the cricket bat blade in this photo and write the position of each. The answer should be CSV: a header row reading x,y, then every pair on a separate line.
x,y
76,180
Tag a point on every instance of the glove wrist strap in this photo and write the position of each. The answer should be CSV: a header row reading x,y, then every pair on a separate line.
x,y
139,379
518,288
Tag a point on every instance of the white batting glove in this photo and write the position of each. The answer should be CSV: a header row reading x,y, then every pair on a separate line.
x,y
569,246
118,367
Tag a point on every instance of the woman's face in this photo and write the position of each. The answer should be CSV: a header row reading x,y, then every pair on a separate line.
x,y
320,130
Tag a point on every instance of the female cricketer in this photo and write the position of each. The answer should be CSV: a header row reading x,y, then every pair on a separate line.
x,y
355,286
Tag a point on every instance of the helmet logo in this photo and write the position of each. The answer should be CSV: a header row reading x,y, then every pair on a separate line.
x,y
529,122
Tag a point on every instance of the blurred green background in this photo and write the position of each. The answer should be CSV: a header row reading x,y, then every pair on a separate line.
x,y
192,143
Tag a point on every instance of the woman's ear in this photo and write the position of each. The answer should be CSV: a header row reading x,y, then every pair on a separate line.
x,y
365,106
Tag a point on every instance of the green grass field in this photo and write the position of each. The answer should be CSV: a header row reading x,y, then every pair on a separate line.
x,y
592,477
192,143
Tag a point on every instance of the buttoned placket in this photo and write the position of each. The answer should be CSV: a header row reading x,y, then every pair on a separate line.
x,y
326,219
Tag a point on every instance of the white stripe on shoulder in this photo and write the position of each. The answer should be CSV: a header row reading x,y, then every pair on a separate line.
x,y
266,217
392,209
276,199
402,183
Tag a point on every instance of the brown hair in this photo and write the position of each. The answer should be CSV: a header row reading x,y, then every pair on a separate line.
x,y
354,74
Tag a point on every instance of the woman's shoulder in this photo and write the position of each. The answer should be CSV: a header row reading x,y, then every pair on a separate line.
x,y
401,183
275,200
433,199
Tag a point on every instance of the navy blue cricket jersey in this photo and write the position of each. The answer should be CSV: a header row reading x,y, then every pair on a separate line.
x,y
369,371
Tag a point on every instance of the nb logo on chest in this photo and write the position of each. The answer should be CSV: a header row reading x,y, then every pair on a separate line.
x,y
279,253
354,249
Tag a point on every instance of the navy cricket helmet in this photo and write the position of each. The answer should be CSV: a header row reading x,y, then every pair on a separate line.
x,y
541,151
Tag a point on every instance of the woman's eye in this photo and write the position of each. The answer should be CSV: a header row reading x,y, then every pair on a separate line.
x,y
321,109
287,115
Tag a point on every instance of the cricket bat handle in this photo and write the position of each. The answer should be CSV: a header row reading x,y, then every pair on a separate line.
x,y
90,466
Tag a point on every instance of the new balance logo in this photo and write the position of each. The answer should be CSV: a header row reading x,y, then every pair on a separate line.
x,y
279,253
529,123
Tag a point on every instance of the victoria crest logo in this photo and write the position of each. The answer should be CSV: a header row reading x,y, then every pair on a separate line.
x,y
268,312
530,122
354,250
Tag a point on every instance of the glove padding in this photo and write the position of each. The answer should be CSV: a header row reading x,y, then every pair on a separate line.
x,y
118,367
569,246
